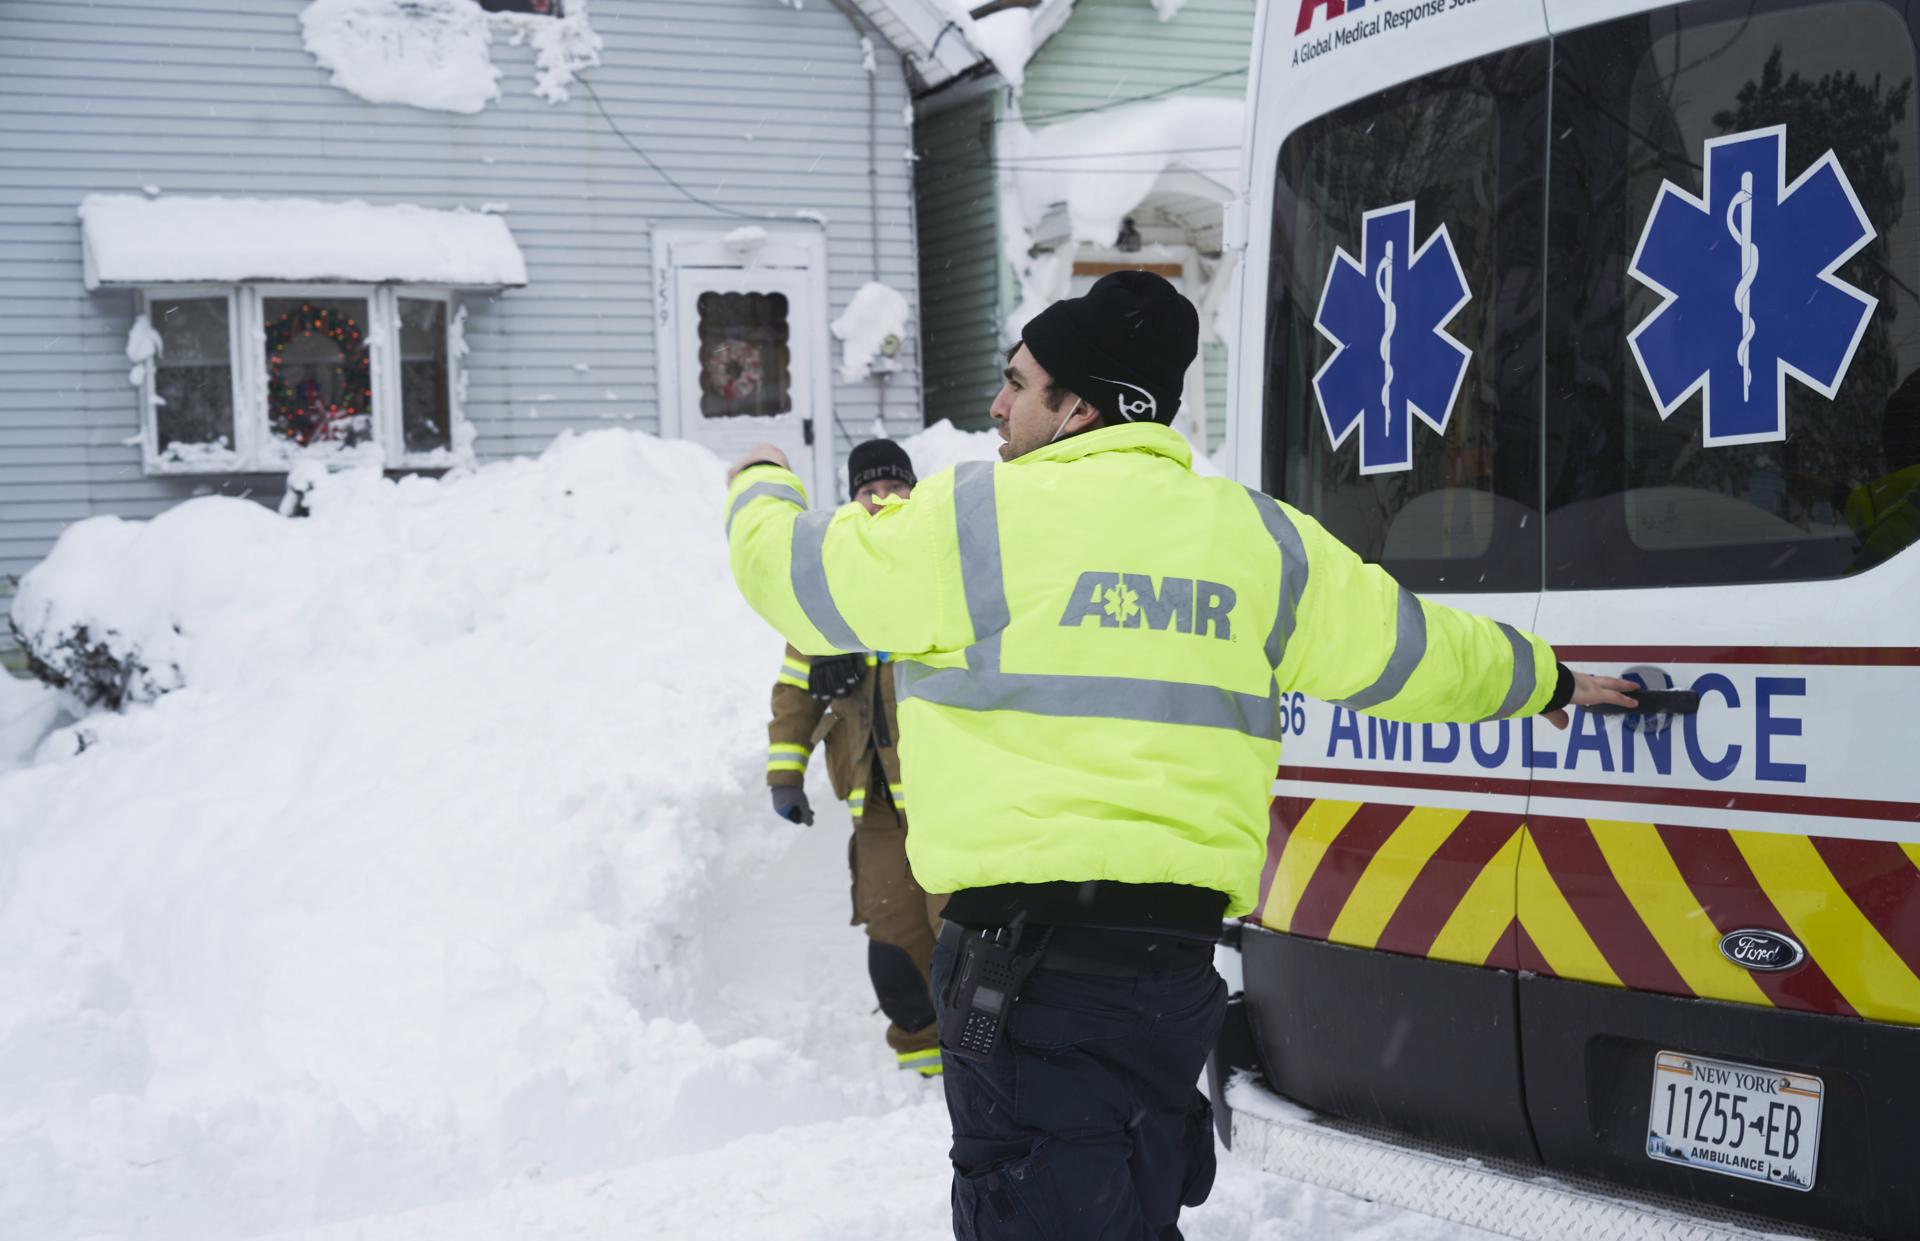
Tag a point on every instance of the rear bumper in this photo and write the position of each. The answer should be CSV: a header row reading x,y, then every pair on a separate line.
x,y
1557,1074
1589,1054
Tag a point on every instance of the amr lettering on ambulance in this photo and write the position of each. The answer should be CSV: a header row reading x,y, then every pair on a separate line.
x,y
1599,317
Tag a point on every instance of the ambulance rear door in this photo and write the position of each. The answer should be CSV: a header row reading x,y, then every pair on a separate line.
x,y
1732,369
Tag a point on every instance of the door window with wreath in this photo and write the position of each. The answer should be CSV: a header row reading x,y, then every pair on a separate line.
x,y
744,365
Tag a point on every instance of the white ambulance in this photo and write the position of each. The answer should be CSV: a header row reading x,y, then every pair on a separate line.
x,y
1601,318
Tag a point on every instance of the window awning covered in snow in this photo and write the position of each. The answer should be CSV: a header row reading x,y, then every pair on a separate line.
x,y
132,240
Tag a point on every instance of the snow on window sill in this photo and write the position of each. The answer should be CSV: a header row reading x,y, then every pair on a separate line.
x,y
215,459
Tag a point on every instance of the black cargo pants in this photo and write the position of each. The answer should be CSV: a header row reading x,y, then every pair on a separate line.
x,y
1086,1123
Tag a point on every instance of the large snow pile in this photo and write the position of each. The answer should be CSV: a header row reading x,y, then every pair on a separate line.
x,y
441,888
28,712
437,53
414,881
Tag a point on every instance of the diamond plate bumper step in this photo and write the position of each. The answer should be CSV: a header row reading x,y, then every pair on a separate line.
x,y
1508,1200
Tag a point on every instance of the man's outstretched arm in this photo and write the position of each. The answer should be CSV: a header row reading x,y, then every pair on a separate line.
x,y
1366,642
843,580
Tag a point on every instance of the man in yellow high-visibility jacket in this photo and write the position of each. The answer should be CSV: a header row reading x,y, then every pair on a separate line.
x,y
1091,644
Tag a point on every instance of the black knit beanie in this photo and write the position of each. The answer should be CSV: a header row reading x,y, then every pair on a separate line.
x,y
875,460
1124,347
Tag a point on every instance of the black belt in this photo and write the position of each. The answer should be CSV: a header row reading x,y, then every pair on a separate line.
x,y
1116,954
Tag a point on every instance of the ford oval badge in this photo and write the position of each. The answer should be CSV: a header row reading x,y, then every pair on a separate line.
x,y
1766,951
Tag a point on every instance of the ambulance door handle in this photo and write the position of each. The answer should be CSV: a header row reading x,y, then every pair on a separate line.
x,y
1655,702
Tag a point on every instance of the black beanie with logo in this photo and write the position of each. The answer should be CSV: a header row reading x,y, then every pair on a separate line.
x,y
1124,347
874,460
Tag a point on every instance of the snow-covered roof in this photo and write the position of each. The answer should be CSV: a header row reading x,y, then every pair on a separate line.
x,y
132,240
944,40
1104,165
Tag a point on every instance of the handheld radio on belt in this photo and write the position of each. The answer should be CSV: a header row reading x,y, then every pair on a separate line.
x,y
988,972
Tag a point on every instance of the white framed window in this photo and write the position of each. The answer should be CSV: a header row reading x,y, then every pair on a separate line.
x,y
252,378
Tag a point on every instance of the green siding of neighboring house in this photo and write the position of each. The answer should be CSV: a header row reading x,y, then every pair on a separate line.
x,y
1119,49
961,270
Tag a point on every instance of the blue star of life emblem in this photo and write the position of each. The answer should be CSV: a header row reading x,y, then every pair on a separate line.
x,y
1386,314
1749,295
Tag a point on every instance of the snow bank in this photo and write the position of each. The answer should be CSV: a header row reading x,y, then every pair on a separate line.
x,y
28,712
418,880
943,445
436,53
130,240
858,1179
877,314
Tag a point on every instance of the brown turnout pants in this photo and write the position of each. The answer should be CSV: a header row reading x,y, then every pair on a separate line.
x,y
901,919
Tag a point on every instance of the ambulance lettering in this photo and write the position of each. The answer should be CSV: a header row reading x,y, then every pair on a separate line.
x,y
1748,729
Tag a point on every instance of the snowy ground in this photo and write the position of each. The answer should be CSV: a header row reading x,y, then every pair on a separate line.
x,y
860,1176
439,896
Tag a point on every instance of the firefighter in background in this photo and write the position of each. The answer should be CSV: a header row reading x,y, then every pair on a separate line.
x,y
848,702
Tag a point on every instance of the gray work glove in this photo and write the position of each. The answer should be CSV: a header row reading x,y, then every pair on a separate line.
x,y
790,803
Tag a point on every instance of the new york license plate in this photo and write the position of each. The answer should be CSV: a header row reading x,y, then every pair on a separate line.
x,y
1735,1119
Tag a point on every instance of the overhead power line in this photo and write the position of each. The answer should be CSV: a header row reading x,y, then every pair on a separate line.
x,y
666,176
1121,103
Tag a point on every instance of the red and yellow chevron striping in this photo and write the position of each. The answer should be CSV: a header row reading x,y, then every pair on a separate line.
x,y
1639,905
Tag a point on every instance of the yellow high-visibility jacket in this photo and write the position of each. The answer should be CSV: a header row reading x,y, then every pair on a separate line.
x,y
1091,643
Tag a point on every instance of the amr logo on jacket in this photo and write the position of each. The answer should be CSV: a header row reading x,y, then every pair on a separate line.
x,y
1131,601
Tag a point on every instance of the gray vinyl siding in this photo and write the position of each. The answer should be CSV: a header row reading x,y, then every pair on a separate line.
x,y
961,270
748,103
1120,49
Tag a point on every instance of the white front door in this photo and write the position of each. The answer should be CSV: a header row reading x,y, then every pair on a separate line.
x,y
744,354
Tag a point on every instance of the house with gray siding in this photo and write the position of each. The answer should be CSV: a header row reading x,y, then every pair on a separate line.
x,y
694,192
996,235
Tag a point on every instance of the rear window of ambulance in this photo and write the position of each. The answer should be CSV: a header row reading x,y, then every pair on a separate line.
x,y
1638,498
1556,413
1466,147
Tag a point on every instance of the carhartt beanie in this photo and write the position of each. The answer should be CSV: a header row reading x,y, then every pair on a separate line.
x,y
1124,347
875,460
